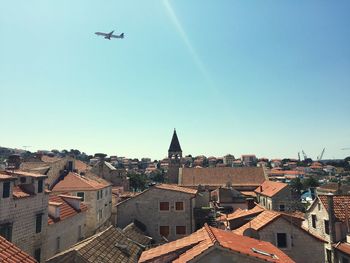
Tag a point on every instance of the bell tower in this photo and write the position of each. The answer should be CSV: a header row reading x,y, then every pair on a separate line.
x,y
175,156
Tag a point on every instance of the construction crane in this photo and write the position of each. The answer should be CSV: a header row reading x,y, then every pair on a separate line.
x,y
319,158
304,154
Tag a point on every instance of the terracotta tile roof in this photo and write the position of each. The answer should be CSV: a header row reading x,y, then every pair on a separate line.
x,y
110,245
19,172
179,244
190,247
5,177
249,193
18,192
9,253
270,188
66,210
81,166
341,203
263,219
343,247
48,159
175,187
76,182
239,213
217,176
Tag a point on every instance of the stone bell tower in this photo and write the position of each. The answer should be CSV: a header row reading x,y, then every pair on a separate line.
x,y
174,155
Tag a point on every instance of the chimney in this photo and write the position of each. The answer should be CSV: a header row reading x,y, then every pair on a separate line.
x,y
73,201
250,203
54,209
14,161
339,191
331,217
261,188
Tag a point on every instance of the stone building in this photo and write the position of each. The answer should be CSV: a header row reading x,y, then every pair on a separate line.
x,y
274,196
23,211
117,177
328,217
286,233
66,223
174,157
210,244
166,211
228,160
95,194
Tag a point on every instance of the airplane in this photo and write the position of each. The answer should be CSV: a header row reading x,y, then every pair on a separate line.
x,y
109,35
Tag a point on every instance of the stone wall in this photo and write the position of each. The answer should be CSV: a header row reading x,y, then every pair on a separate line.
x,y
145,208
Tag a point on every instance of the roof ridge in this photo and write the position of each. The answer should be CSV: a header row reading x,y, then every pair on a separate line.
x,y
211,234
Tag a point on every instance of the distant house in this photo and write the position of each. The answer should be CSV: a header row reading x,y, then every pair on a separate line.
x,y
210,244
117,177
166,211
328,217
11,253
286,233
66,223
274,195
109,246
249,160
95,194
240,178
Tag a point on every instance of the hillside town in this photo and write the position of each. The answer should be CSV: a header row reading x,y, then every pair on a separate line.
x,y
67,206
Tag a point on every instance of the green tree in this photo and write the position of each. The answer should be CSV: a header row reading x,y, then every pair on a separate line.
x,y
137,181
296,185
310,182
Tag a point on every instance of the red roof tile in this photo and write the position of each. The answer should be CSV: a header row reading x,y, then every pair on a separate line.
x,y
343,247
81,166
217,176
175,187
5,177
76,182
18,192
341,203
197,243
19,172
10,253
270,188
239,213
66,210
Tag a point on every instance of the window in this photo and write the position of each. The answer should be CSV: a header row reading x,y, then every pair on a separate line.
x,y
99,214
81,194
79,233
282,208
98,195
164,231
37,254
319,206
344,260
281,240
179,206
313,218
6,190
40,186
6,231
38,223
58,241
101,194
180,230
326,227
164,206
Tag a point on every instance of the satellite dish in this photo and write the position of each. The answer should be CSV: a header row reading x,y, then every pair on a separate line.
x,y
250,232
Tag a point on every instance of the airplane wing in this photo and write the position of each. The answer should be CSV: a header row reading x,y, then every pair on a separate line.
x,y
101,34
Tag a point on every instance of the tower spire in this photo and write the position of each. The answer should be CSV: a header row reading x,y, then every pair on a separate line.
x,y
175,144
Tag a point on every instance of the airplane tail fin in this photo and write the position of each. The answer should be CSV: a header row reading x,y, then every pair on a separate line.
x,y
122,35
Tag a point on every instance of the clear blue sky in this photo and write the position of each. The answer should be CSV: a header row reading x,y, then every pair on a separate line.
x,y
264,77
